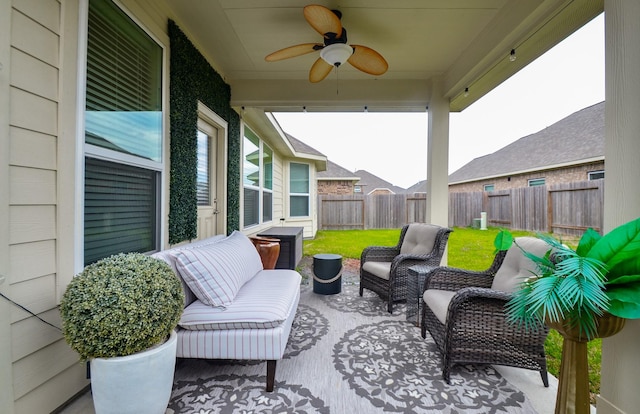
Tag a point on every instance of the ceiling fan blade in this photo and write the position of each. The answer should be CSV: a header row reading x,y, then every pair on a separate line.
x,y
319,70
368,60
293,51
323,20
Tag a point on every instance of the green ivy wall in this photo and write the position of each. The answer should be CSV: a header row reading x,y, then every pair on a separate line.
x,y
192,79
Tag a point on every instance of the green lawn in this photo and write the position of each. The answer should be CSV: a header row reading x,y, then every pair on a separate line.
x,y
469,249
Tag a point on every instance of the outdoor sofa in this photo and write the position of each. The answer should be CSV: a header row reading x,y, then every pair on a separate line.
x,y
234,309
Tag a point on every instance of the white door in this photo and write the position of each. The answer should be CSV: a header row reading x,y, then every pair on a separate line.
x,y
207,181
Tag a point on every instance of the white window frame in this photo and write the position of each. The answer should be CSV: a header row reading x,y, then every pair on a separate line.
x,y
291,193
535,182
486,189
260,188
263,178
590,174
88,150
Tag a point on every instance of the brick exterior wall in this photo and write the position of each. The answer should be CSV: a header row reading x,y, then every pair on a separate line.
x,y
335,187
556,176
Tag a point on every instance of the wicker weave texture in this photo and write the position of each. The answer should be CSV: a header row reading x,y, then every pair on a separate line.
x,y
395,289
476,329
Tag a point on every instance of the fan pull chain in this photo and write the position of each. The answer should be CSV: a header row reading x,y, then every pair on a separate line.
x,y
337,80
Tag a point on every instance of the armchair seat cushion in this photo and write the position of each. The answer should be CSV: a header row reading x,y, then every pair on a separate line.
x,y
438,301
379,269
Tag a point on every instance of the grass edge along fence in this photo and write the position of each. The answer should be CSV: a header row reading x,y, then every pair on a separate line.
x,y
468,248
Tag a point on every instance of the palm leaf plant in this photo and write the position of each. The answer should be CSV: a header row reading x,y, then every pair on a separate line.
x,y
578,286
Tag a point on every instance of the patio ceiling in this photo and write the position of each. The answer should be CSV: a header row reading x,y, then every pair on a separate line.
x,y
460,43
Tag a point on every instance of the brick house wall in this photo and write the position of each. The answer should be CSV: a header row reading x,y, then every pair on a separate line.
x,y
335,187
555,176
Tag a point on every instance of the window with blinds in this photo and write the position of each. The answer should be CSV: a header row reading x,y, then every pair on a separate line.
x,y
120,212
124,77
298,190
123,133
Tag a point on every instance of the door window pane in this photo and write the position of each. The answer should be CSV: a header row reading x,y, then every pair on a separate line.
x,y
203,178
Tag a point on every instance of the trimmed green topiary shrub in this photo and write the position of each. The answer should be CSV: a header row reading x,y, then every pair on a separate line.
x,y
121,305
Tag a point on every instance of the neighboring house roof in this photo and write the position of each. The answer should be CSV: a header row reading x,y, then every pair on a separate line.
x,y
371,182
419,187
302,149
576,139
300,146
335,172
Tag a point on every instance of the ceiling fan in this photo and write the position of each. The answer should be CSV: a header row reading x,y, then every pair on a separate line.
x,y
335,50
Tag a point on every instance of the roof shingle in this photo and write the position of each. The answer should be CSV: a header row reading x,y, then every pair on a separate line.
x,y
577,138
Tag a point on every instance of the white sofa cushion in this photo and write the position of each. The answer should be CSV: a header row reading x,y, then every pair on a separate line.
x,y
263,302
249,344
216,272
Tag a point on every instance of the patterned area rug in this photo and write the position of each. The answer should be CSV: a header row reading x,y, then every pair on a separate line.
x,y
346,354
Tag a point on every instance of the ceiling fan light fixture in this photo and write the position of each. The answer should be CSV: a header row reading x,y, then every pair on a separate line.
x,y
336,54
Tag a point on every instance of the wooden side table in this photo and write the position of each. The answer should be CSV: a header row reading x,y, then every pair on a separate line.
x,y
415,284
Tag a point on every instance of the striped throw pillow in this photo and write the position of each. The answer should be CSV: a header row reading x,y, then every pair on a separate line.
x,y
215,273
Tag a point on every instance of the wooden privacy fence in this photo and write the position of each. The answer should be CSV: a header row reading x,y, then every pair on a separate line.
x,y
567,209
359,211
562,208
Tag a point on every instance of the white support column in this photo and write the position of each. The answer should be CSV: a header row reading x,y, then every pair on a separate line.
x,y
438,158
620,357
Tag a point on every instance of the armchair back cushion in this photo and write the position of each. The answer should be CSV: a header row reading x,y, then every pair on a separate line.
x,y
419,239
216,272
517,267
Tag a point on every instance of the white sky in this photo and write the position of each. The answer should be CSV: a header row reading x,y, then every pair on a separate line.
x,y
393,146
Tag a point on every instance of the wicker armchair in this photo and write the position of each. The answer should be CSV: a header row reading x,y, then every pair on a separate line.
x,y
384,270
464,312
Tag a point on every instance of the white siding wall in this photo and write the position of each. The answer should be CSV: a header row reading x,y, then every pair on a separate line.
x,y
45,371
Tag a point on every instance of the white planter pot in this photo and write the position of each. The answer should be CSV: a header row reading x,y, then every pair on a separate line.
x,y
140,383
